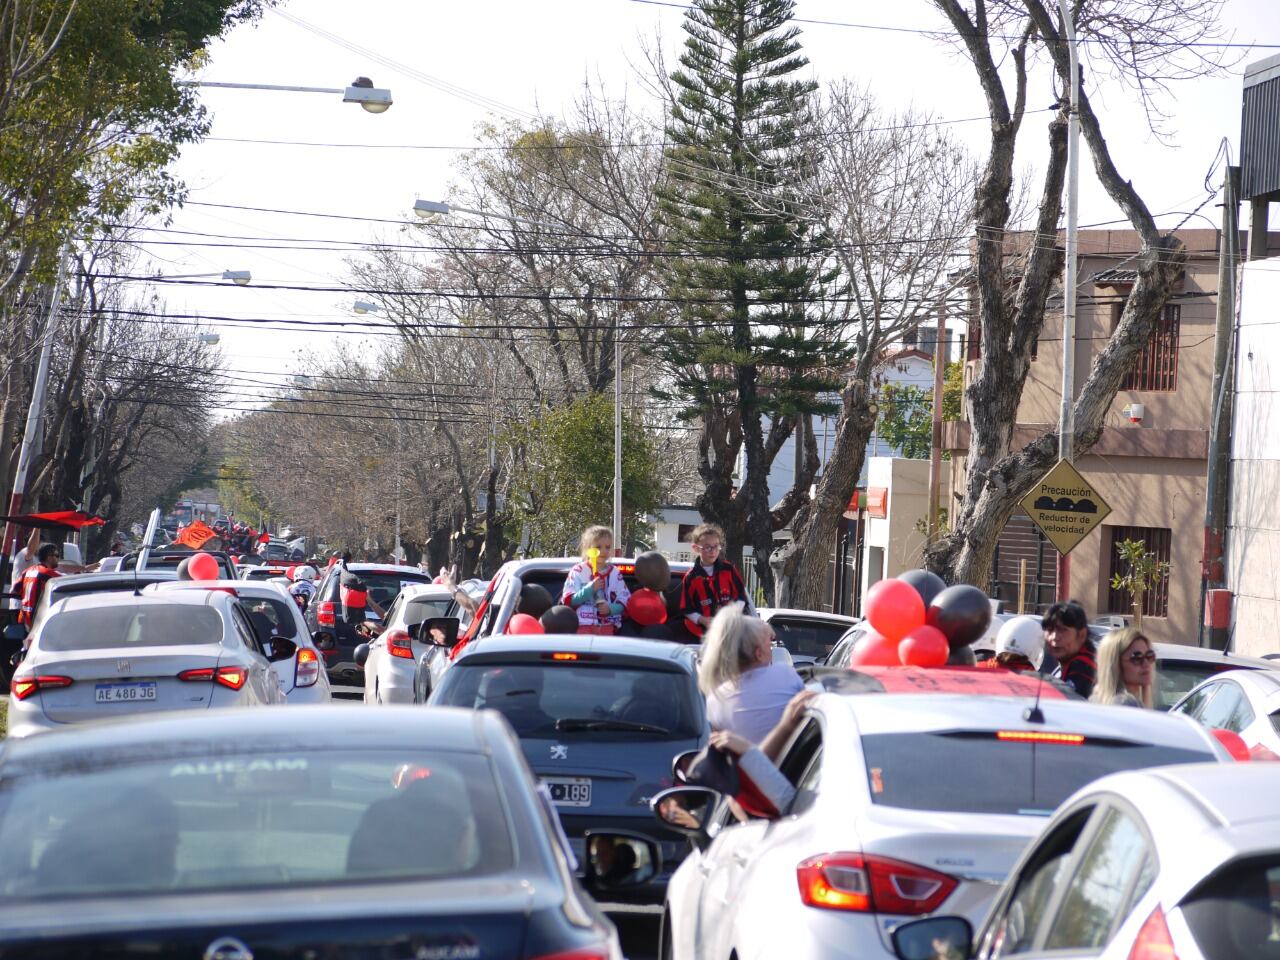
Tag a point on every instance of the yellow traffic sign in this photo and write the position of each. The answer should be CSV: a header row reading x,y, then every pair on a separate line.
x,y
1065,507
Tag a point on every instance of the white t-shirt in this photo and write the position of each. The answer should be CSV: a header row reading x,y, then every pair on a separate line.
x,y
753,706
21,563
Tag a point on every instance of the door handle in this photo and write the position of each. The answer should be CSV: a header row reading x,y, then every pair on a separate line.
x,y
740,858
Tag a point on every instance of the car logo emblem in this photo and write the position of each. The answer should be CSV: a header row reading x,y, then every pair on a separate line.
x,y
122,666
559,751
227,948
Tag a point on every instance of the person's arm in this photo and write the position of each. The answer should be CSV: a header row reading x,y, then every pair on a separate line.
x,y
777,738
769,782
33,542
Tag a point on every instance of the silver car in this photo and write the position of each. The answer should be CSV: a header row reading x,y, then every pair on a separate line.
x,y
1178,863
1246,702
392,664
108,655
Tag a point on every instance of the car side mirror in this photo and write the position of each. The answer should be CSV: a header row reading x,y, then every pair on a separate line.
x,y
361,654
281,648
680,764
619,861
950,938
323,640
437,631
685,810
15,633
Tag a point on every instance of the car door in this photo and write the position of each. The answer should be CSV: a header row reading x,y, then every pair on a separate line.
x,y
1227,709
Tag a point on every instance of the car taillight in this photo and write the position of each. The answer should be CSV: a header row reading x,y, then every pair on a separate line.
x,y
585,953
1154,940
327,613
24,687
865,883
307,671
399,644
1037,736
233,677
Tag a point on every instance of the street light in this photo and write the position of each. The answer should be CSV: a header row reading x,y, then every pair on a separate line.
x,y
364,306
239,277
362,91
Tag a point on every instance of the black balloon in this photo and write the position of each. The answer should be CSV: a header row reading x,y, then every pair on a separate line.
x,y
184,571
962,613
962,657
560,619
927,584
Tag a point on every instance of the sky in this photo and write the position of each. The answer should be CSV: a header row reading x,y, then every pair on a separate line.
x,y
452,66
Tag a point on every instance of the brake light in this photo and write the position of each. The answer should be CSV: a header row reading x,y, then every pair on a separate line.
x,y
586,953
327,613
307,671
24,687
625,568
1154,940
570,657
865,883
1036,736
232,677
399,644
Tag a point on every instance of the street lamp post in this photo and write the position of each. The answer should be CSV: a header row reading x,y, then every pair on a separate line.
x,y
362,91
241,278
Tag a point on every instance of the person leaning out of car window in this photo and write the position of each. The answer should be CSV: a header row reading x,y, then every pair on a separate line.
x,y
1126,669
594,586
1066,637
746,691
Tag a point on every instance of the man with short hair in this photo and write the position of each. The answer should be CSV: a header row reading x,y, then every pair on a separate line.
x,y
35,578
712,583
1066,637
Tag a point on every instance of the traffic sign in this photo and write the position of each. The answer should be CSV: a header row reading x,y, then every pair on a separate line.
x,y
1065,507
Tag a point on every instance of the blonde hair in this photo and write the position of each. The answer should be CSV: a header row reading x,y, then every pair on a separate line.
x,y
729,647
591,537
1111,651
706,530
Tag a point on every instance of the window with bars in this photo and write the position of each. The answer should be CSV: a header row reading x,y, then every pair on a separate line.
x,y
1157,366
1156,540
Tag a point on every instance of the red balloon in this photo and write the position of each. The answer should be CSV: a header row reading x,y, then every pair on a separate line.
x,y
874,650
1234,743
646,607
894,608
522,623
202,566
925,646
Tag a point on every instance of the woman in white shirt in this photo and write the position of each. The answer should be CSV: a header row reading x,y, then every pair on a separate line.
x,y
746,691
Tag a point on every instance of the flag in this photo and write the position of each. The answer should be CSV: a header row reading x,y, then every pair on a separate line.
x,y
196,535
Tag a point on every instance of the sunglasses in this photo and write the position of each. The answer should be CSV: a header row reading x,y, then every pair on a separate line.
x,y
1148,657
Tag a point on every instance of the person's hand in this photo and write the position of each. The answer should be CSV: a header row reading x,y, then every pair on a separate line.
x,y
599,582
793,712
602,608
447,579
728,742
674,813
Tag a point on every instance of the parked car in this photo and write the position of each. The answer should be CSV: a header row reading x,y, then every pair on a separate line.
x,y
273,613
287,834
391,672
1246,702
1179,667
115,654
335,637
905,805
261,572
1179,863
164,558
599,719
809,635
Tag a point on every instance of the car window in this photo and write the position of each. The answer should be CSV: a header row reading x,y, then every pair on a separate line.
x,y
114,827
1099,890
270,617
1013,927
418,611
807,638
562,700
98,628
954,770
1196,702
1222,710
384,585
245,631
1175,678
1234,914
807,785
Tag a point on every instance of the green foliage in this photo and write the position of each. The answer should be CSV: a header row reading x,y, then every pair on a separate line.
x,y
565,482
1145,572
237,493
906,413
953,392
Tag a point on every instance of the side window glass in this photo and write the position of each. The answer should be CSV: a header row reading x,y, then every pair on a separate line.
x,y
807,788
1196,703
245,631
806,745
1099,892
1222,708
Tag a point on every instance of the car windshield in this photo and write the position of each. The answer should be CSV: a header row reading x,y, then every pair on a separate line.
x,y
249,820
384,585
556,699
153,624
976,772
1234,914
807,638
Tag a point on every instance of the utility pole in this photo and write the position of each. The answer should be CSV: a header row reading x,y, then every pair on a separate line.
x,y
935,445
1212,572
1066,416
617,432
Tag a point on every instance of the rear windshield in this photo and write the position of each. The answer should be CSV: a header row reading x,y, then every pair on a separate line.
x,y
977,773
558,699
153,625
1175,678
1235,913
808,638
270,618
262,573
422,610
385,586
260,820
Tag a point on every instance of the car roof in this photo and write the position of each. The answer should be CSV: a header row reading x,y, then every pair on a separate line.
x,y
968,681
433,591
906,713
88,582
386,568
1183,651
635,650
517,567
1233,793
839,619
393,727
91,601
242,588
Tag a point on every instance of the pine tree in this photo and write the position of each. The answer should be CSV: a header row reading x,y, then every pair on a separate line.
x,y
754,355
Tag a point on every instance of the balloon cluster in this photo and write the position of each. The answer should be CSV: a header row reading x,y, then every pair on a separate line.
x,y
918,621
199,566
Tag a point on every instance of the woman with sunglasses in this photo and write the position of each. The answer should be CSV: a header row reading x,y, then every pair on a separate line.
x,y
1126,669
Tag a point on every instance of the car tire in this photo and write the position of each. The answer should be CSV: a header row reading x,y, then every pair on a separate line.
x,y
665,950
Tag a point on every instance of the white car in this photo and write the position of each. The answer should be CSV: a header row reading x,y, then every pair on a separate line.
x,y
808,635
1246,702
105,655
392,663
1179,863
1180,666
273,613
905,805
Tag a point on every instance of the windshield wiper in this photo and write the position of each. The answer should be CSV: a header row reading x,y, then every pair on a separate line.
x,y
605,723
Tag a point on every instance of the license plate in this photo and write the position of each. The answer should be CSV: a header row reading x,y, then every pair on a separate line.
x,y
569,791
124,692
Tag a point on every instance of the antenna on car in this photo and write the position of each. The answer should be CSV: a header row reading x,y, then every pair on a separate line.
x,y
1033,713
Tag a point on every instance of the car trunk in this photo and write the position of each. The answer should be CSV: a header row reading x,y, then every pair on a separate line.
x,y
124,680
